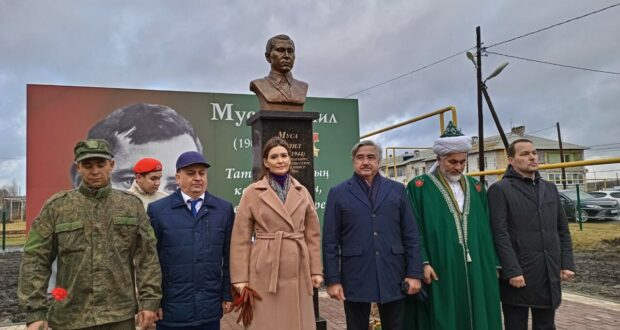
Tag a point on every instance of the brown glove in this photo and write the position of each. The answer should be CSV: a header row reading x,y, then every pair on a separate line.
x,y
244,302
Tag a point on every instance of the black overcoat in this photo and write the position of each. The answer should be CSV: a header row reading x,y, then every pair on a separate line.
x,y
531,237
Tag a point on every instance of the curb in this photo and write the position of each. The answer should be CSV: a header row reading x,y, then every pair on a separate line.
x,y
591,300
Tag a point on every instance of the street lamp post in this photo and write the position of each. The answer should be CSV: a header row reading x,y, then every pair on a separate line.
x,y
490,104
482,91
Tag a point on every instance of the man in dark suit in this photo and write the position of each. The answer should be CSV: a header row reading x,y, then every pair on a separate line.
x,y
371,244
279,91
193,230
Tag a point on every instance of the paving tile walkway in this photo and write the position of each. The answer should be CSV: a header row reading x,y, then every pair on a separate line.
x,y
577,312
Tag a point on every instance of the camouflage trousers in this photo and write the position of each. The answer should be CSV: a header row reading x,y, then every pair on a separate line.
x,y
123,325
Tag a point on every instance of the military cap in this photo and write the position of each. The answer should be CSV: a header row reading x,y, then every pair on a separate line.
x,y
92,148
147,165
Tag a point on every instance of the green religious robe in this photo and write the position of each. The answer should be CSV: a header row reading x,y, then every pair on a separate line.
x,y
459,247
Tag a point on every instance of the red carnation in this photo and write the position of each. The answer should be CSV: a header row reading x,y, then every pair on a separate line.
x,y
419,183
59,294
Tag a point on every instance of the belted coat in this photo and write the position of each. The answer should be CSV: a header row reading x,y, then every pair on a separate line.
x,y
283,256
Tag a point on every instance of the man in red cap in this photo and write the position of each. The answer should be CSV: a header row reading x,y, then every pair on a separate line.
x,y
146,184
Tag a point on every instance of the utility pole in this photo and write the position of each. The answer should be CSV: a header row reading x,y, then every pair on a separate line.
x,y
480,117
557,124
482,90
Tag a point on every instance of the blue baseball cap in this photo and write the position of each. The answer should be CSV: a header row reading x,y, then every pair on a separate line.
x,y
190,158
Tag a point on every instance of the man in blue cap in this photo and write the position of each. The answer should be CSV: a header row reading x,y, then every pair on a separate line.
x,y
193,231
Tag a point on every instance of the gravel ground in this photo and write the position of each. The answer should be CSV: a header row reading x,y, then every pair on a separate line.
x,y
598,272
10,312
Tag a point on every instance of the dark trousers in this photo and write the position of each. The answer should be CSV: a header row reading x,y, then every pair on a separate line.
x,y
215,325
358,313
515,318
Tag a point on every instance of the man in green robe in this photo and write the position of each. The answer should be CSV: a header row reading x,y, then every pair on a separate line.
x,y
460,263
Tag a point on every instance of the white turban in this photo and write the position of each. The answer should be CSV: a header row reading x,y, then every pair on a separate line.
x,y
452,144
453,141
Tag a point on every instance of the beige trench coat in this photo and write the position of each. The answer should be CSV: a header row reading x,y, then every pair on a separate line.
x,y
284,255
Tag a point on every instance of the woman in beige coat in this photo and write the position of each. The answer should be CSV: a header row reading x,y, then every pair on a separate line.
x,y
283,263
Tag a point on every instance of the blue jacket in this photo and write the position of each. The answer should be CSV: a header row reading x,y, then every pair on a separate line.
x,y
194,257
370,250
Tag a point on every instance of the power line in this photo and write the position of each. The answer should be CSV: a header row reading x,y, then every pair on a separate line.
x,y
555,64
410,72
603,145
527,132
603,150
542,129
466,50
497,137
554,25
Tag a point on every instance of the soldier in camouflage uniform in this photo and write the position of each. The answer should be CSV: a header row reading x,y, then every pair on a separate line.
x,y
98,234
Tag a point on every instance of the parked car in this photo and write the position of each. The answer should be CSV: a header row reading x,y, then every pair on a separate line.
x,y
591,208
613,194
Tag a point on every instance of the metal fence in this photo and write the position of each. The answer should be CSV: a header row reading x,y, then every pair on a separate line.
x,y
13,232
602,184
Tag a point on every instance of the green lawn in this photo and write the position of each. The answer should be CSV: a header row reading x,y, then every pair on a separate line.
x,y
594,233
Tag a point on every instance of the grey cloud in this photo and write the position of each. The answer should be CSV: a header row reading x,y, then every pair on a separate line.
x,y
342,47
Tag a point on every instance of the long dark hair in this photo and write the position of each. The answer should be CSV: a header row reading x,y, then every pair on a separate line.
x,y
275,141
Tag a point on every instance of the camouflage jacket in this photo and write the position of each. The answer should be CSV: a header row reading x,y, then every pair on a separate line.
x,y
98,236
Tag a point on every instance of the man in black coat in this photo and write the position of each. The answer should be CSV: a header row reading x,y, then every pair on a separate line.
x,y
532,241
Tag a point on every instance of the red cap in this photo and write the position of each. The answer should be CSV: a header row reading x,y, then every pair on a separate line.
x,y
146,165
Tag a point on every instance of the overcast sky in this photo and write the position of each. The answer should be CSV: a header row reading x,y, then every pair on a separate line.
x,y
342,47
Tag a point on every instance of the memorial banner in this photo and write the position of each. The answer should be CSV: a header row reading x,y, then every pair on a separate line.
x,y
163,124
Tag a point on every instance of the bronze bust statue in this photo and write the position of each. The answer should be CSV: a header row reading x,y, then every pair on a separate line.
x,y
279,91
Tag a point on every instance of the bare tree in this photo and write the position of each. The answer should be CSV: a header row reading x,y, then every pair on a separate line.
x,y
12,189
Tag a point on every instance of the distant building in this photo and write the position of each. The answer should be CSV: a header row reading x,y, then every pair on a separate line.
x,y
417,161
408,165
13,208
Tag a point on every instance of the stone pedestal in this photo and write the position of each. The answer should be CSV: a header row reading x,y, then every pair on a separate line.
x,y
296,129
